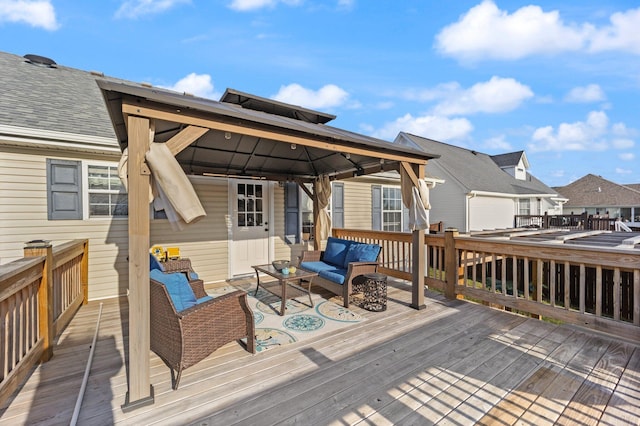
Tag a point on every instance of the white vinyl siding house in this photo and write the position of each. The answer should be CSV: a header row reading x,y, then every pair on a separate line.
x,y
490,212
482,192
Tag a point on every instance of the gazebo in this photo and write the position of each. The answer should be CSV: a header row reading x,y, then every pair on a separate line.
x,y
242,135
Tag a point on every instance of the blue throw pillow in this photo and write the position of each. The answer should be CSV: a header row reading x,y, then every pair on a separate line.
x,y
361,253
336,251
154,264
178,287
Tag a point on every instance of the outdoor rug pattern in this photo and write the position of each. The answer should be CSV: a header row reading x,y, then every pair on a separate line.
x,y
300,321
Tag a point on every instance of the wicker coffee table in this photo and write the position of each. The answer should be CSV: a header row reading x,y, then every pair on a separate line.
x,y
290,280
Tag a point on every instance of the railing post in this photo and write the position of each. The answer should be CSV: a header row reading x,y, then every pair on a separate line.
x,y
545,221
84,272
45,294
450,262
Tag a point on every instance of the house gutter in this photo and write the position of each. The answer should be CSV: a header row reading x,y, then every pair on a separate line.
x,y
472,194
35,138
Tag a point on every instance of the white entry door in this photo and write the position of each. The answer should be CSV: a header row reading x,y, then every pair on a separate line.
x,y
250,239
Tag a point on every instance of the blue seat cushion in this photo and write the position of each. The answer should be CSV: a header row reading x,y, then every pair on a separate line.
x,y
316,266
336,251
361,252
203,299
178,287
336,275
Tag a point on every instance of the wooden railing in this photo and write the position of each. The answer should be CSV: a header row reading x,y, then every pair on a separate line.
x,y
39,294
581,221
591,287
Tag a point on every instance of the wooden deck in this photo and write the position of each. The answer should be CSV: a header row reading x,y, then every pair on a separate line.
x,y
454,363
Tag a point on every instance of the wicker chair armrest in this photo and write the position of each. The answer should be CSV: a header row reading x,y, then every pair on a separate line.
x,y
359,268
311,256
198,288
212,303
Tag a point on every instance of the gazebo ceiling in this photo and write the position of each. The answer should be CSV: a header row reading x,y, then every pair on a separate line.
x,y
260,139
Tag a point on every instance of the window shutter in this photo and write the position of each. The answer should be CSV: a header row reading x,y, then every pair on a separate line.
x,y
337,205
376,208
291,213
64,189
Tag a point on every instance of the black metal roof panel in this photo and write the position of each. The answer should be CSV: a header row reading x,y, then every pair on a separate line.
x,y
249,101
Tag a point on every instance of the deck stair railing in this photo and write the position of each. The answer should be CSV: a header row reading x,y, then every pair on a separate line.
x,y
39,294
592,287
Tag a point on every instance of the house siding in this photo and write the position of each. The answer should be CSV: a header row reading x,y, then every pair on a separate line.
x,y
206,242
357,204
491,213
23,217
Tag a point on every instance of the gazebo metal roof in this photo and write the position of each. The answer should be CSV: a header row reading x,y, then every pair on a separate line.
x,y
309,150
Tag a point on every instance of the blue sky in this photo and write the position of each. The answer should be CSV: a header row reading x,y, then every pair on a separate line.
x,y
557,79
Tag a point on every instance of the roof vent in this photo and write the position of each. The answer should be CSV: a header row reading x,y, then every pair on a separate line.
x,y
40,61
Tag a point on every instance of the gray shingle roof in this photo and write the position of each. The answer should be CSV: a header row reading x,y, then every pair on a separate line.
x,y
510,159
476,171
60,99
595,191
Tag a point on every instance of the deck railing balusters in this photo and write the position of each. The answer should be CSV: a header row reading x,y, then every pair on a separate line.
x,y
38,296
551,273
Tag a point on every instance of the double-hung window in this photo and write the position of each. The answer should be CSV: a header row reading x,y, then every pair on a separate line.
x,y
391,209
106,192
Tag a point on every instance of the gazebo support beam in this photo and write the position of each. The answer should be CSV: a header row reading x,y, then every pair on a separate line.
x,y
140,392
185,138
416,172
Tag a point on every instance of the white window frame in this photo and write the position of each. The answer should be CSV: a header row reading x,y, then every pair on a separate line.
x,y
398,211
521,202
86,191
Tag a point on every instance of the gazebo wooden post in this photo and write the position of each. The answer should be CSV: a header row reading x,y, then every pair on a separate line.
x,y
317,244
417,289
140,391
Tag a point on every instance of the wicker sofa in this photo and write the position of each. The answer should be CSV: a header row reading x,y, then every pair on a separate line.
x,y
340,263
183,337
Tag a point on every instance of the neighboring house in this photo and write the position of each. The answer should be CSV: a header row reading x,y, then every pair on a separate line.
x,y
597,196
480,191
58,181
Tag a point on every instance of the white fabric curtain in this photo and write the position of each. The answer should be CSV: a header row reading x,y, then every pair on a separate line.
x,y
170,189
416,199
322,192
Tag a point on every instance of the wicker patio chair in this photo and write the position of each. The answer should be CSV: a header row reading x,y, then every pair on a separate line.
x,y
182,339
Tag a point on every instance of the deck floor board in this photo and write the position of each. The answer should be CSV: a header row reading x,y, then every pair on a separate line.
x,y
453,363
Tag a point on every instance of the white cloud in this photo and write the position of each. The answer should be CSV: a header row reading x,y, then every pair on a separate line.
x,y
627,156
429,126
623,171
346,4
621,35
135,8
488,32
35,13
585,94
591,134
196,84
327,96
494,96
249,5
621,143
498,143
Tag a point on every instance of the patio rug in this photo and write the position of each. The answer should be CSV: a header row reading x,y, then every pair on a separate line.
x,y
300,322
